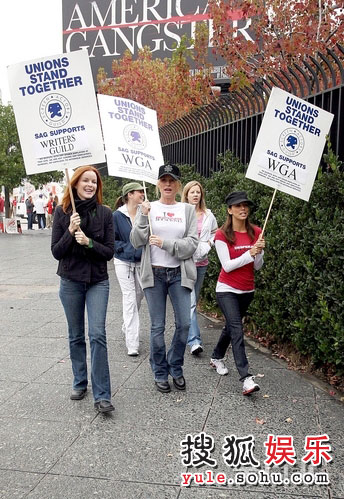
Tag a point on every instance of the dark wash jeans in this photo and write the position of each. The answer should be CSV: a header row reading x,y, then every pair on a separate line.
x,y
75,296
233,306
167,281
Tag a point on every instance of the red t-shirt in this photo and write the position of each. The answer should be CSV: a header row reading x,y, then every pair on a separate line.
x,y
243,277
50,206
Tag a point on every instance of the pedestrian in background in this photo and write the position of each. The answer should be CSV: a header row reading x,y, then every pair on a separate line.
x,y
127,263
167,269
83,242
40,211
239,246
50,209
29,211
193,194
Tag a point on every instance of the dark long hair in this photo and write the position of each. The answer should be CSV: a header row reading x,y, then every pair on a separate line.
x,y
120,201
66,201
227,229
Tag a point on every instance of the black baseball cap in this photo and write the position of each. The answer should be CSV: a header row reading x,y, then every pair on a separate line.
x,y
169,169
237,198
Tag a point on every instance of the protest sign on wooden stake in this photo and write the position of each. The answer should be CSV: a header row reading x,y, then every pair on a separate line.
x,y
289,145
56,112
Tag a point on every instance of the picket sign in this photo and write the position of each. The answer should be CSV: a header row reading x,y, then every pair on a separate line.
x,y
136,153
57,131
289,145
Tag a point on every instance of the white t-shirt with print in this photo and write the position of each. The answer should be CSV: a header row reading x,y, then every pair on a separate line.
x,y
168,222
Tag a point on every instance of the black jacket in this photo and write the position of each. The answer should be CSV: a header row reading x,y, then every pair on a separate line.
x,y
77,262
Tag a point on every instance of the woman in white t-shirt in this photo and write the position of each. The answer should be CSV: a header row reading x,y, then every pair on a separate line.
x,y
167,268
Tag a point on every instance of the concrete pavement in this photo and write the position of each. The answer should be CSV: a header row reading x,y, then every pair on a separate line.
x,y
52,447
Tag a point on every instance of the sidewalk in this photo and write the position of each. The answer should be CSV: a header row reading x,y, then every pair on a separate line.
x,y
54,448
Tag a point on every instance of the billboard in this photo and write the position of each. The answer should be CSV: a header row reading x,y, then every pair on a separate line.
x,y
106,28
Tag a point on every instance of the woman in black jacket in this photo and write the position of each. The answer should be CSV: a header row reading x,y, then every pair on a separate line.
x,y
83,242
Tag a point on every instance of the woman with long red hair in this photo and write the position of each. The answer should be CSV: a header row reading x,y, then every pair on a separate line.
x,y
83,242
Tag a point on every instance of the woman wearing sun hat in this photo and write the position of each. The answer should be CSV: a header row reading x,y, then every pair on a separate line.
x,y
167,268
127,263
239,246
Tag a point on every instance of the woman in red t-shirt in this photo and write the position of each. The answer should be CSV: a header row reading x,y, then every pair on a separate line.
x,y
239,246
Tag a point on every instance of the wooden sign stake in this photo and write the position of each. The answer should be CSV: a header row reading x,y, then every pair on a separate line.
x,y
70,191
268,214
146,199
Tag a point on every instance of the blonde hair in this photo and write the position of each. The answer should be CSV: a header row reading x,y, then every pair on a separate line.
x,y
187,188
66,201
178,182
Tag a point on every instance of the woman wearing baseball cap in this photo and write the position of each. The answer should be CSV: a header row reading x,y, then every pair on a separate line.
x,y
239,246
127,263
167,268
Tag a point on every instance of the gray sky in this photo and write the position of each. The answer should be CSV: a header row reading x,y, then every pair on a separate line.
x,y
29,30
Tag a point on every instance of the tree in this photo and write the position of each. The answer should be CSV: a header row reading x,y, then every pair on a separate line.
x,y
164,85
12,171
286,31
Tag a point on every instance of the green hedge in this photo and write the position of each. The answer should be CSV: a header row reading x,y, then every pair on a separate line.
x,y
300,290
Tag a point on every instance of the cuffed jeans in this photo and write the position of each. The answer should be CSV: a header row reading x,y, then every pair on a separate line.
x,y
233,306
128,275
167,281
194,337
74,296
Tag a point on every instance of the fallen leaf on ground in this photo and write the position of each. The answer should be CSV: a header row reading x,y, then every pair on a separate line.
x,y
266,396
332,392
260,375
260,421
289,420
61,361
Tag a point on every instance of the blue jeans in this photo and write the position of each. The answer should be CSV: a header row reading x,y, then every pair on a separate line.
x,y
29,220
194,337
167,281
41,220
233,306
74,296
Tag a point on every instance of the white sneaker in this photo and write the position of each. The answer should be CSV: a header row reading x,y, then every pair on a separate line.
x,y
219,365
249,386
196,349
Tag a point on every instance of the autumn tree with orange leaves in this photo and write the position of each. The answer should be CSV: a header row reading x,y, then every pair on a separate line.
x,y
285,32
164,85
